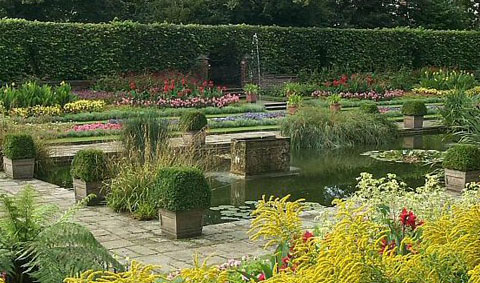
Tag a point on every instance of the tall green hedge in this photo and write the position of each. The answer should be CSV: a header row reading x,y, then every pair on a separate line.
x,y
80,51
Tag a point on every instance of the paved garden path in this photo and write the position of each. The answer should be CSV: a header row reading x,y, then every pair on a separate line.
x,y
143,240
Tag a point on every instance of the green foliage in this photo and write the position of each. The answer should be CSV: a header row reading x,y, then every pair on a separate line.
x,y
414,108
462,157
295,100
42,246
446,80
318,128
456,106
182,188
19,146
88,50
334,98
31,94
192,121
251,88
145,134
89,165
369,107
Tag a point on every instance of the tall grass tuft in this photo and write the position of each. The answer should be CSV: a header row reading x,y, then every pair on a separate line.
x,y
318,128
145,135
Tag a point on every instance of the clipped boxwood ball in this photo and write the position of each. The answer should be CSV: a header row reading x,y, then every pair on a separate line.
x,y
192,121
462,157
369,108
18,146
182,188
414,108
89,165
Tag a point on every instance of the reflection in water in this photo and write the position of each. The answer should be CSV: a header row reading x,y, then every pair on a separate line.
x,y
323,176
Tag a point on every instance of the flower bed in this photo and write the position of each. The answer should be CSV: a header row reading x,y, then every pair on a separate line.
x,y
97,126
251,116
369,95
195,102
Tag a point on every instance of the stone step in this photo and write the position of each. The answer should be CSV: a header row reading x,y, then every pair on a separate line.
x,y
276,106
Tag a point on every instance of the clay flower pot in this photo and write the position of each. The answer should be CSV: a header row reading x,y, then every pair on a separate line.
x,y
251,97
335,107
292,110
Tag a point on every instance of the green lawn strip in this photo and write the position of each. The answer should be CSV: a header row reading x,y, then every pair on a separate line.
x,y
244,129
77,140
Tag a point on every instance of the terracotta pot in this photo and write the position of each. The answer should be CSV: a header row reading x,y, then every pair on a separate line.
x,y
251,97
83,189
181,224
457,180
292,110
413,122
336,107
19,169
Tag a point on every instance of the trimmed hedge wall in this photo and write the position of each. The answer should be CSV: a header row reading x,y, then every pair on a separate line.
x,y
81,51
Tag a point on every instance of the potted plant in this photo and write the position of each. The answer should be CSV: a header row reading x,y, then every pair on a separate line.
x,y
334,101
294,102
88,171
193,124
251,90
183,196
462,166
369,107
413,112
19,156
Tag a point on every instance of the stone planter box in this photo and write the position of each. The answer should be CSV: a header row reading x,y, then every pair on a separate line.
x,y
196,138
251,98
19,169
413,122
335,107
181,224
456,180
83,189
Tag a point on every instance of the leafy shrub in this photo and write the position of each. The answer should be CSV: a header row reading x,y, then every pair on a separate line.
x,y
182,188
456,106
414,108
85,106
369,108
192,121
89,165
251,88
318,128
294,100
462,157
473,91
18,146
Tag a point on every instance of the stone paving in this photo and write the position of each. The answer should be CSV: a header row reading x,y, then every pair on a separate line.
x,y
143,240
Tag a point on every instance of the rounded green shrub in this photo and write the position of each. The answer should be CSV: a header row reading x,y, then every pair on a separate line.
x,y
19,146
182,188
369,107
89,165
192,121
462,157
414,108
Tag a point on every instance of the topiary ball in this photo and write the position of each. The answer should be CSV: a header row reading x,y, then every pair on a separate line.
x,y
369,108
19,146
89,165
462,157
182,188
191,121
414,108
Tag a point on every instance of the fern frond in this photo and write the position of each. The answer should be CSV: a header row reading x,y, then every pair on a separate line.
x,y
66,249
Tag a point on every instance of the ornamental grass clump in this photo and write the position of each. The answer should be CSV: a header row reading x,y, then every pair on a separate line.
x,y
89,165
192,121
19,146
182,188
462,157
414,108
318,128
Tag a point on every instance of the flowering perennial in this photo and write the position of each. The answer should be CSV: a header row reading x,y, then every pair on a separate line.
x,y
369,95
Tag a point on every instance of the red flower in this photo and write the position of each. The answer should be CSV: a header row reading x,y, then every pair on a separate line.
x,y
327,84
261,277
336,83
307,236
409,219
133,86
386,246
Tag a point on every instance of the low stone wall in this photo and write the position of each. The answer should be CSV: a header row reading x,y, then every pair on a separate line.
x,y
255,156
